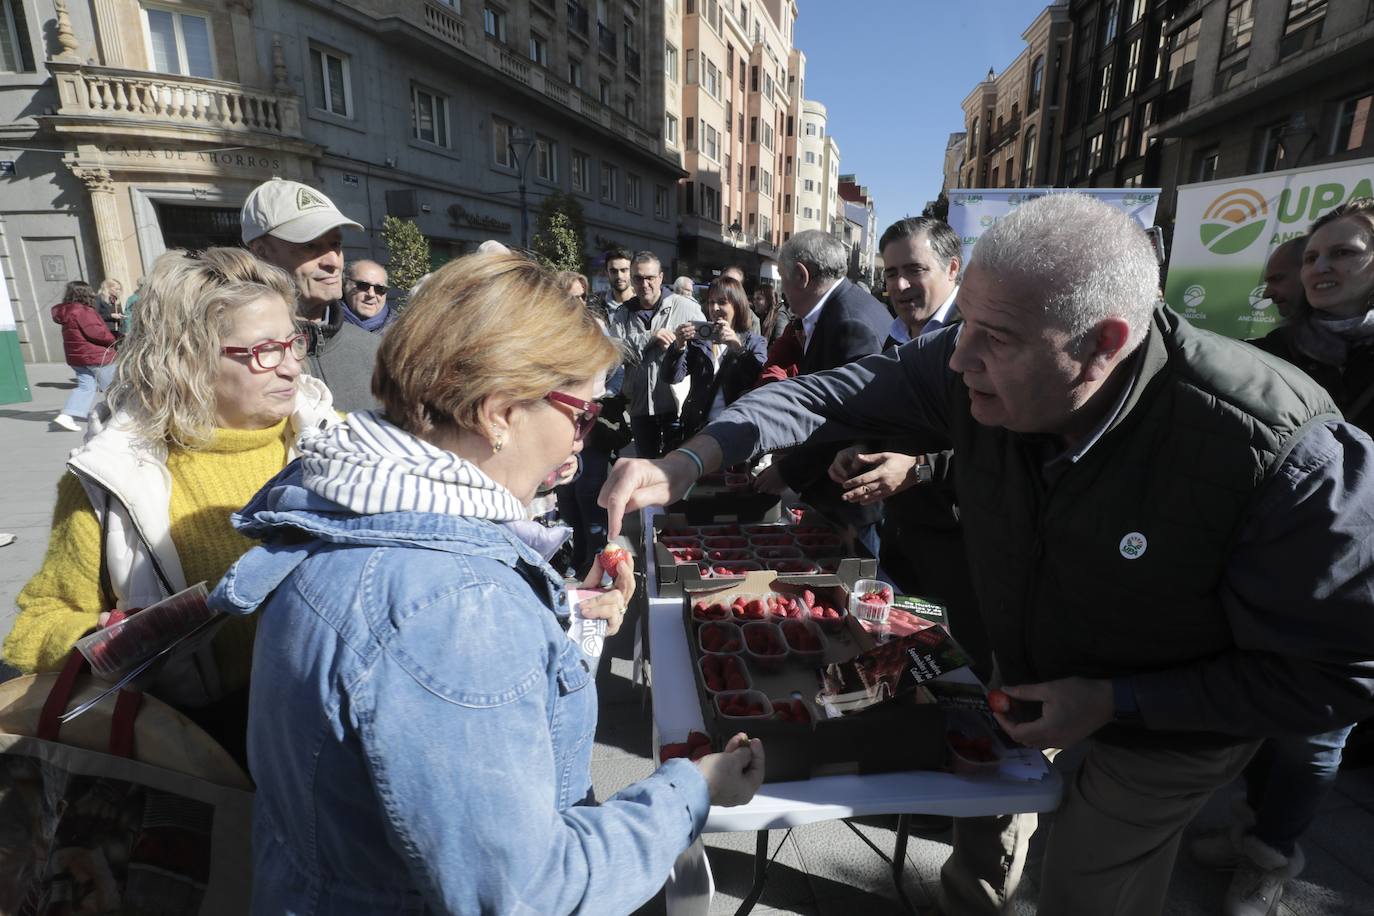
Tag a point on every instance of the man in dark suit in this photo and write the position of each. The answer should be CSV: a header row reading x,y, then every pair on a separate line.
x,y
840,323
922,541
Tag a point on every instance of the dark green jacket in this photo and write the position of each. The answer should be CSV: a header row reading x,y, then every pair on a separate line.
x,y
1210,547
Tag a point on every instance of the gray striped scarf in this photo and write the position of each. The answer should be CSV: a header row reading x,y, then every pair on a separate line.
x,y
370,466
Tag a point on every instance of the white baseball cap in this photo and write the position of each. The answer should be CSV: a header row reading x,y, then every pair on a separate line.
x,y
290,211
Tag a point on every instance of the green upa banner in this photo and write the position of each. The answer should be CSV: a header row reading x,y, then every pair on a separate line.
x,y
14,383
973,210
1225,230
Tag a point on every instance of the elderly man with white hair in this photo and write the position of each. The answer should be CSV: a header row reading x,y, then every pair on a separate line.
x,y
1168,533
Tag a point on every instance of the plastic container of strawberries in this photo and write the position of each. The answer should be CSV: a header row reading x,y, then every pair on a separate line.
x,y
756,698
764,645
728,672
805,641
717,638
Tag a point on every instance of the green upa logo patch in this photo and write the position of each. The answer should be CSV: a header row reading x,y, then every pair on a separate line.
x,y
307,199
1234,221
1133,545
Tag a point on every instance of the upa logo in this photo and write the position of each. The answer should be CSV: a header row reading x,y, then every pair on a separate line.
x,y
1194,296
1234,221
1258,300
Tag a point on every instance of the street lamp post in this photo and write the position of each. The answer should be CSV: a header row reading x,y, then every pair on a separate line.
x,y
521,145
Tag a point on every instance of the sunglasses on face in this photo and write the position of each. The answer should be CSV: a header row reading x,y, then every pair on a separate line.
x,y
269,354
585,419
378,288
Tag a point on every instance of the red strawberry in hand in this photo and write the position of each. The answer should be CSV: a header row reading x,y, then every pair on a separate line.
x,y
611,557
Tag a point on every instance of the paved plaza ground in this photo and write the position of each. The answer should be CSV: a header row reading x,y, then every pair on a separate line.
x,y
818,869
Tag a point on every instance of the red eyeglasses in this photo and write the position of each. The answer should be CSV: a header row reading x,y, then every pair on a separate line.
x,y
584,419
269,354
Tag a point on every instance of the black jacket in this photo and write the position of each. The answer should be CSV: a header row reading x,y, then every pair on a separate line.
x,y
737,374
852,325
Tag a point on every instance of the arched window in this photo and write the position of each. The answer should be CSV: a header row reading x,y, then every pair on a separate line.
x,y
1037,84
973,137
1028,158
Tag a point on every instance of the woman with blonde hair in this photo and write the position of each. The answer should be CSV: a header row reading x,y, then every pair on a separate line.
x,y
208,399
421,719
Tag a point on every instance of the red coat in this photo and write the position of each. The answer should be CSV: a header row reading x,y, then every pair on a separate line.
x,y
85,337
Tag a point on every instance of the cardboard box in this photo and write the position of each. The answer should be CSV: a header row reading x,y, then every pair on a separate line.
x,y
901,735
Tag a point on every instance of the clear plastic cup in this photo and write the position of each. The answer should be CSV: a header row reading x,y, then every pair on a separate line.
x,y
873,611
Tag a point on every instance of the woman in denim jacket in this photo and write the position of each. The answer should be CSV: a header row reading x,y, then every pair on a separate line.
x,y
421,723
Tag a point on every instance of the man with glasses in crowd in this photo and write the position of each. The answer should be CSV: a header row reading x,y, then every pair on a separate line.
x,y
295,227
645,324
365,302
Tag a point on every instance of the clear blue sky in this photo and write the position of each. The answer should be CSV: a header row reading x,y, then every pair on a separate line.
x,y
892,73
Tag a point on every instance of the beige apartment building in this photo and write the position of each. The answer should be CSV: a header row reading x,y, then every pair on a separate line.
x,y
736,109
1011,118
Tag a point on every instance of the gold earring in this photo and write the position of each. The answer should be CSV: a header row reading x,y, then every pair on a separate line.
x,y
498,444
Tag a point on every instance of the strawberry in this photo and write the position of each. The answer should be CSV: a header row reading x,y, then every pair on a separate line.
x,y
610,558
699,752
999,701
697,739
669,751
809,597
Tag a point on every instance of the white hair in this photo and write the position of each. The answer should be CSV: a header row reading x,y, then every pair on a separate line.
x,y
1087,260
683,286
822,253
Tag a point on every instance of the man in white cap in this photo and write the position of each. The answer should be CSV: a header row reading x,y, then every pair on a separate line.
x,y
297,228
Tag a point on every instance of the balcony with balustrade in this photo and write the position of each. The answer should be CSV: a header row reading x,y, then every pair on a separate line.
x,y
107,101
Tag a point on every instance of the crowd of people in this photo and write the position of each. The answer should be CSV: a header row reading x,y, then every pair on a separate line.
x,y
1156,533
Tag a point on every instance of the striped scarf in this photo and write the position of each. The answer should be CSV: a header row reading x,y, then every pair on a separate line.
x,y
371,466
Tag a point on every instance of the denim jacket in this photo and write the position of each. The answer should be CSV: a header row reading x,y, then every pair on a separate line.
x,y
421,725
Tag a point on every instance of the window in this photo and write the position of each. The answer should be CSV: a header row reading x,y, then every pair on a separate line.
x,y
429,116
177,42
332,90
787,169
581,172
710,202
1028,158
1205,164
787,204
539,49
670,62
610,177
1138,9
1120,143
1303,27
808,212
712,80
691,133
16,54
1272,153
725,172
1182,54
501,152
973,137
754,78
767,84
1132,66
575,72
768,137
546,159
660,201
765,228
670,129
753,178
789,125
1109,16
691,67
810,158
1104,88
632,192
1094,153
494,22
629,108
712,142
1240,26
753,130
729,116
766,183
1146,119
1352,124
811,128
996,170
1037,84
1011,172
1068,168
810,184
603,90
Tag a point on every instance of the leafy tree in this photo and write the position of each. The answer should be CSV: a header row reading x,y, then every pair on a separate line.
x,y
556,244
938,208
560,235
408,252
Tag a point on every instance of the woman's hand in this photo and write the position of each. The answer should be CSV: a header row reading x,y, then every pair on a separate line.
x,y
735,774
685,332
726,335
610,605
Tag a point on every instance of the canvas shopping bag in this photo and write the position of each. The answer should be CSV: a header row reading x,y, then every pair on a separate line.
x,y
156,821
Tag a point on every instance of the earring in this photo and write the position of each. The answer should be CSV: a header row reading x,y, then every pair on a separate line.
x,y
498,444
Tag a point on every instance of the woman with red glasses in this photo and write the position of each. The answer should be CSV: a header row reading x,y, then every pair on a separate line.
x,y
421,718
207,403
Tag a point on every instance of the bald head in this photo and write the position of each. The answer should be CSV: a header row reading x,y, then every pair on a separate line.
x,y
365,291
1283,277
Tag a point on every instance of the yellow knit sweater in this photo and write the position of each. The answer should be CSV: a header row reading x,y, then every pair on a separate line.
x,y
62,601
